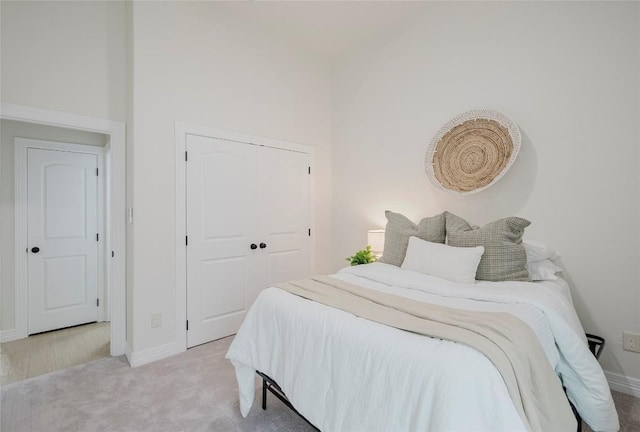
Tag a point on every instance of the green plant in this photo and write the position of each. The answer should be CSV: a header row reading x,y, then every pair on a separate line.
x,y
364,256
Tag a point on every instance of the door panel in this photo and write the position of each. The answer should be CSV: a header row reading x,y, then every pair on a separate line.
x,y
284,214
221,182
64,279
225,194
65,191
229,298
284,266
62,223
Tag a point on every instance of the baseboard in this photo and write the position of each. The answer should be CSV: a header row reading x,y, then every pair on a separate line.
x,y
9,335
623,384
127,353
139,358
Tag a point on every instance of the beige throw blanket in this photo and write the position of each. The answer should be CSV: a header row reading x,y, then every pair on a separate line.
x,y
508,342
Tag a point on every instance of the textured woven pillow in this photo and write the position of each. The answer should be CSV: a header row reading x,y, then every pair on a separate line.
x,y
399,229
504,257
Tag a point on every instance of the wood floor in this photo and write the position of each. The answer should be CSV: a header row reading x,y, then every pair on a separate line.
x,y
52,351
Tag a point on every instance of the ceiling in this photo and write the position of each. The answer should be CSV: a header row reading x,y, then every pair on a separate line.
x,y
326,28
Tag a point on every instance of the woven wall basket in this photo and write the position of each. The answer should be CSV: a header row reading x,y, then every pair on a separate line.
x,y
472,151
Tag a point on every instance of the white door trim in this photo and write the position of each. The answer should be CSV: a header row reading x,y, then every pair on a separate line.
x,y
21,213
181,131
116,267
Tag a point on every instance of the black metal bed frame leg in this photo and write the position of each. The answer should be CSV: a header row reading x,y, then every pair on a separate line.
x,y
269,384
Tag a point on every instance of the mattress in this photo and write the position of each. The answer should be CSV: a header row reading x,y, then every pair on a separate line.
x,y
346,373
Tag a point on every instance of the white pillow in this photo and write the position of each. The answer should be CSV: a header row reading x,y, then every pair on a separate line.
x,y
538,251
457,264
543,270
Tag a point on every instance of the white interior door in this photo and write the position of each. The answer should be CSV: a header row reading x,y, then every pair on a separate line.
x,y
283,225
221,213
62,196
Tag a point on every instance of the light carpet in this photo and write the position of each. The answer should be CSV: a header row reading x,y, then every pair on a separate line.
x,y
192,391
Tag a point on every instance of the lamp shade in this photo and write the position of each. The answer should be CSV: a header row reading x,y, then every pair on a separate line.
x,y
375,238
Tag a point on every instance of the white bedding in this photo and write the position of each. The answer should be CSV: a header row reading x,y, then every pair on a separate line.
x,y
345,373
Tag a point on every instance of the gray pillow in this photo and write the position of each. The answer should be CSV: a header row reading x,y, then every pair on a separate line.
x,y
504,257
399,229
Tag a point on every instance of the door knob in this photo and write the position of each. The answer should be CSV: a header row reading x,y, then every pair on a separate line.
x,y
262,245
35,249
253,246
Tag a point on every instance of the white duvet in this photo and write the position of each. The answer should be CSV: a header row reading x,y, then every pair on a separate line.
x,y
345,373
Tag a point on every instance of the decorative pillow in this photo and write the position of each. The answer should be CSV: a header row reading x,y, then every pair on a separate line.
x,y
538,251
399,229
504,255
457,264
543,270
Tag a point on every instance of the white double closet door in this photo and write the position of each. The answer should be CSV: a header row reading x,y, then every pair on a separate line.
x,y
247,228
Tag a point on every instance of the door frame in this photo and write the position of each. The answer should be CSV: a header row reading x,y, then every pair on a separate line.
x,y
115,238
181,131
21,172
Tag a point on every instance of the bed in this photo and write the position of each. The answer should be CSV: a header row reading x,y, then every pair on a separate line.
x,y
346,373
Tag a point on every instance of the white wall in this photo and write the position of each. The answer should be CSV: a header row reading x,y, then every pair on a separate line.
x,y
568,74
192,63
65,56
9,130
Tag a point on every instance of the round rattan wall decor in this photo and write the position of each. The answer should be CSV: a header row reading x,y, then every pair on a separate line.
x,y
472,151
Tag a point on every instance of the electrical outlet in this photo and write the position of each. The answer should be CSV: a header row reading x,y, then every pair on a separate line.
x,y
156,320
631,342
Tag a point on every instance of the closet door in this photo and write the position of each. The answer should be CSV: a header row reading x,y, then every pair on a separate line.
x,y
221,214
283,215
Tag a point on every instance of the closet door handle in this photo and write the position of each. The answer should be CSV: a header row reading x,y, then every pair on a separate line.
x,y
253,246
35,249
262,245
